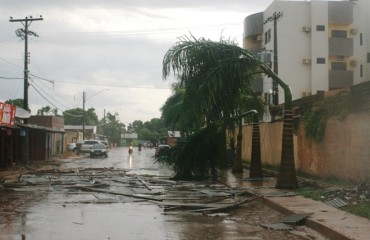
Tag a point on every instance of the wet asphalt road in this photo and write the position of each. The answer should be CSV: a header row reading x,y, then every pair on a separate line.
x,y
59,211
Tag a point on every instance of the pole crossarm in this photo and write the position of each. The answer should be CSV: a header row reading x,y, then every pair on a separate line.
x,y
26,19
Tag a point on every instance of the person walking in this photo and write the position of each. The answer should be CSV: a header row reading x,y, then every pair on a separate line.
x,y
130,149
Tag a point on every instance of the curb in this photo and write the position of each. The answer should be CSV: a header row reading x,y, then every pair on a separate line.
x,y
317,226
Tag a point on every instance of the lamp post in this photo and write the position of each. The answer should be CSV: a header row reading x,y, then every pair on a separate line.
x,y
83,108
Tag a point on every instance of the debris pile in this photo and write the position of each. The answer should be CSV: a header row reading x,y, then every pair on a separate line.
x,y
109,185
340,197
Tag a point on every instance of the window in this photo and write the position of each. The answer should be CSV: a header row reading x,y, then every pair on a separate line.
x,y
368,57
320,27
339,34
320,60
360,39
268,36
338,66
361,71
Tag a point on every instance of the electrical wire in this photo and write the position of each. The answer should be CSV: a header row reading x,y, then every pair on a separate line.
x,y
11,78
97,84
50,97
64,112
136,32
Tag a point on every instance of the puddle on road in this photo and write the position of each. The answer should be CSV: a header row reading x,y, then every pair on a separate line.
x,y
137,201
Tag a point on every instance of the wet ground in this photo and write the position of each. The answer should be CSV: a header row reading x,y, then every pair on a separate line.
x,y
131,197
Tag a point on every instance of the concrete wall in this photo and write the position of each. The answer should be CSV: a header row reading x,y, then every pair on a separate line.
x,y
344,153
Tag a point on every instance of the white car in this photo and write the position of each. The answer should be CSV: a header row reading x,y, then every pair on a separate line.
x,y
86,145
71,147
161,148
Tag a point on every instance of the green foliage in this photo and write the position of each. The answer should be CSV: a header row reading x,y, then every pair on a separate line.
x,y
196,156
315,194
214,75
112,128
213,89
315,123
16,102
315,120
177,115
47,110
75,117
361,209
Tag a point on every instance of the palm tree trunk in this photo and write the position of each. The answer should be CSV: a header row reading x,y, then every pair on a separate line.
x,y
287,178
256,164
238,165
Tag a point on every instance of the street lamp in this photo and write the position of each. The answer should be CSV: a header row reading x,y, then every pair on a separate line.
x,y
83,108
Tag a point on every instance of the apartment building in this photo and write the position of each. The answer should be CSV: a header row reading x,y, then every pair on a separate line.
x,y
319,45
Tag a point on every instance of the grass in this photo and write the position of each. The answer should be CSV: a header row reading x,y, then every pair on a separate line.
x,y
362,209
316,190
319,194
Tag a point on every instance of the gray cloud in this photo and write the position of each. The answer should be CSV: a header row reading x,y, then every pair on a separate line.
x,y
87,46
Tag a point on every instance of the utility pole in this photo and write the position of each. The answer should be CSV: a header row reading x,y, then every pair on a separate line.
x,y
84,115
275,86
26,22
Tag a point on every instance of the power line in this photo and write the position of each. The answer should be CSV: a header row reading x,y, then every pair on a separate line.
x,y
97,84
14,65
10,78
64,112
137,32
50,97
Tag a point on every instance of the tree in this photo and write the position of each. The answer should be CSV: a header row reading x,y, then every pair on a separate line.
x,y
137,125
47,110
177,116
16,102
75,117
215,76
213,87
112,128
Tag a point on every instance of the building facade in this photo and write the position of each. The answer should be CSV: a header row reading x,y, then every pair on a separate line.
x,y
319,45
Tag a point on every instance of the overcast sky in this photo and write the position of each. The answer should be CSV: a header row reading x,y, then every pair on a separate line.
x,y
112,50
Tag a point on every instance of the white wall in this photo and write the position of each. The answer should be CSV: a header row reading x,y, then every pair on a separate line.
x,y
362,17
320,47
294,45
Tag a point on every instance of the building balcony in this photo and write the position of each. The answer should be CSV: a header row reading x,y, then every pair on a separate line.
x,y
340,79
340,12
341,47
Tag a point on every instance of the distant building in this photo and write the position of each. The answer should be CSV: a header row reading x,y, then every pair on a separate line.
x,y
320,45
171,138
129,138
73,133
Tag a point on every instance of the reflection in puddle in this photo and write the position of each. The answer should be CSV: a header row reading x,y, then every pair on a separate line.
x,y
130,161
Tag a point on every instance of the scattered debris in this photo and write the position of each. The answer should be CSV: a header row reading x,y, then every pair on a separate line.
x,y
109,185
277,226
340,197
336,202
296,219
280,194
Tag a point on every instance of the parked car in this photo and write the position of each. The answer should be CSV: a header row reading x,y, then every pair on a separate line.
x,y
71,147
161,148
86,145
105,142
99,150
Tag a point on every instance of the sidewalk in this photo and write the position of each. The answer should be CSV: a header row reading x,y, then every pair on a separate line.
x,y
327,220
